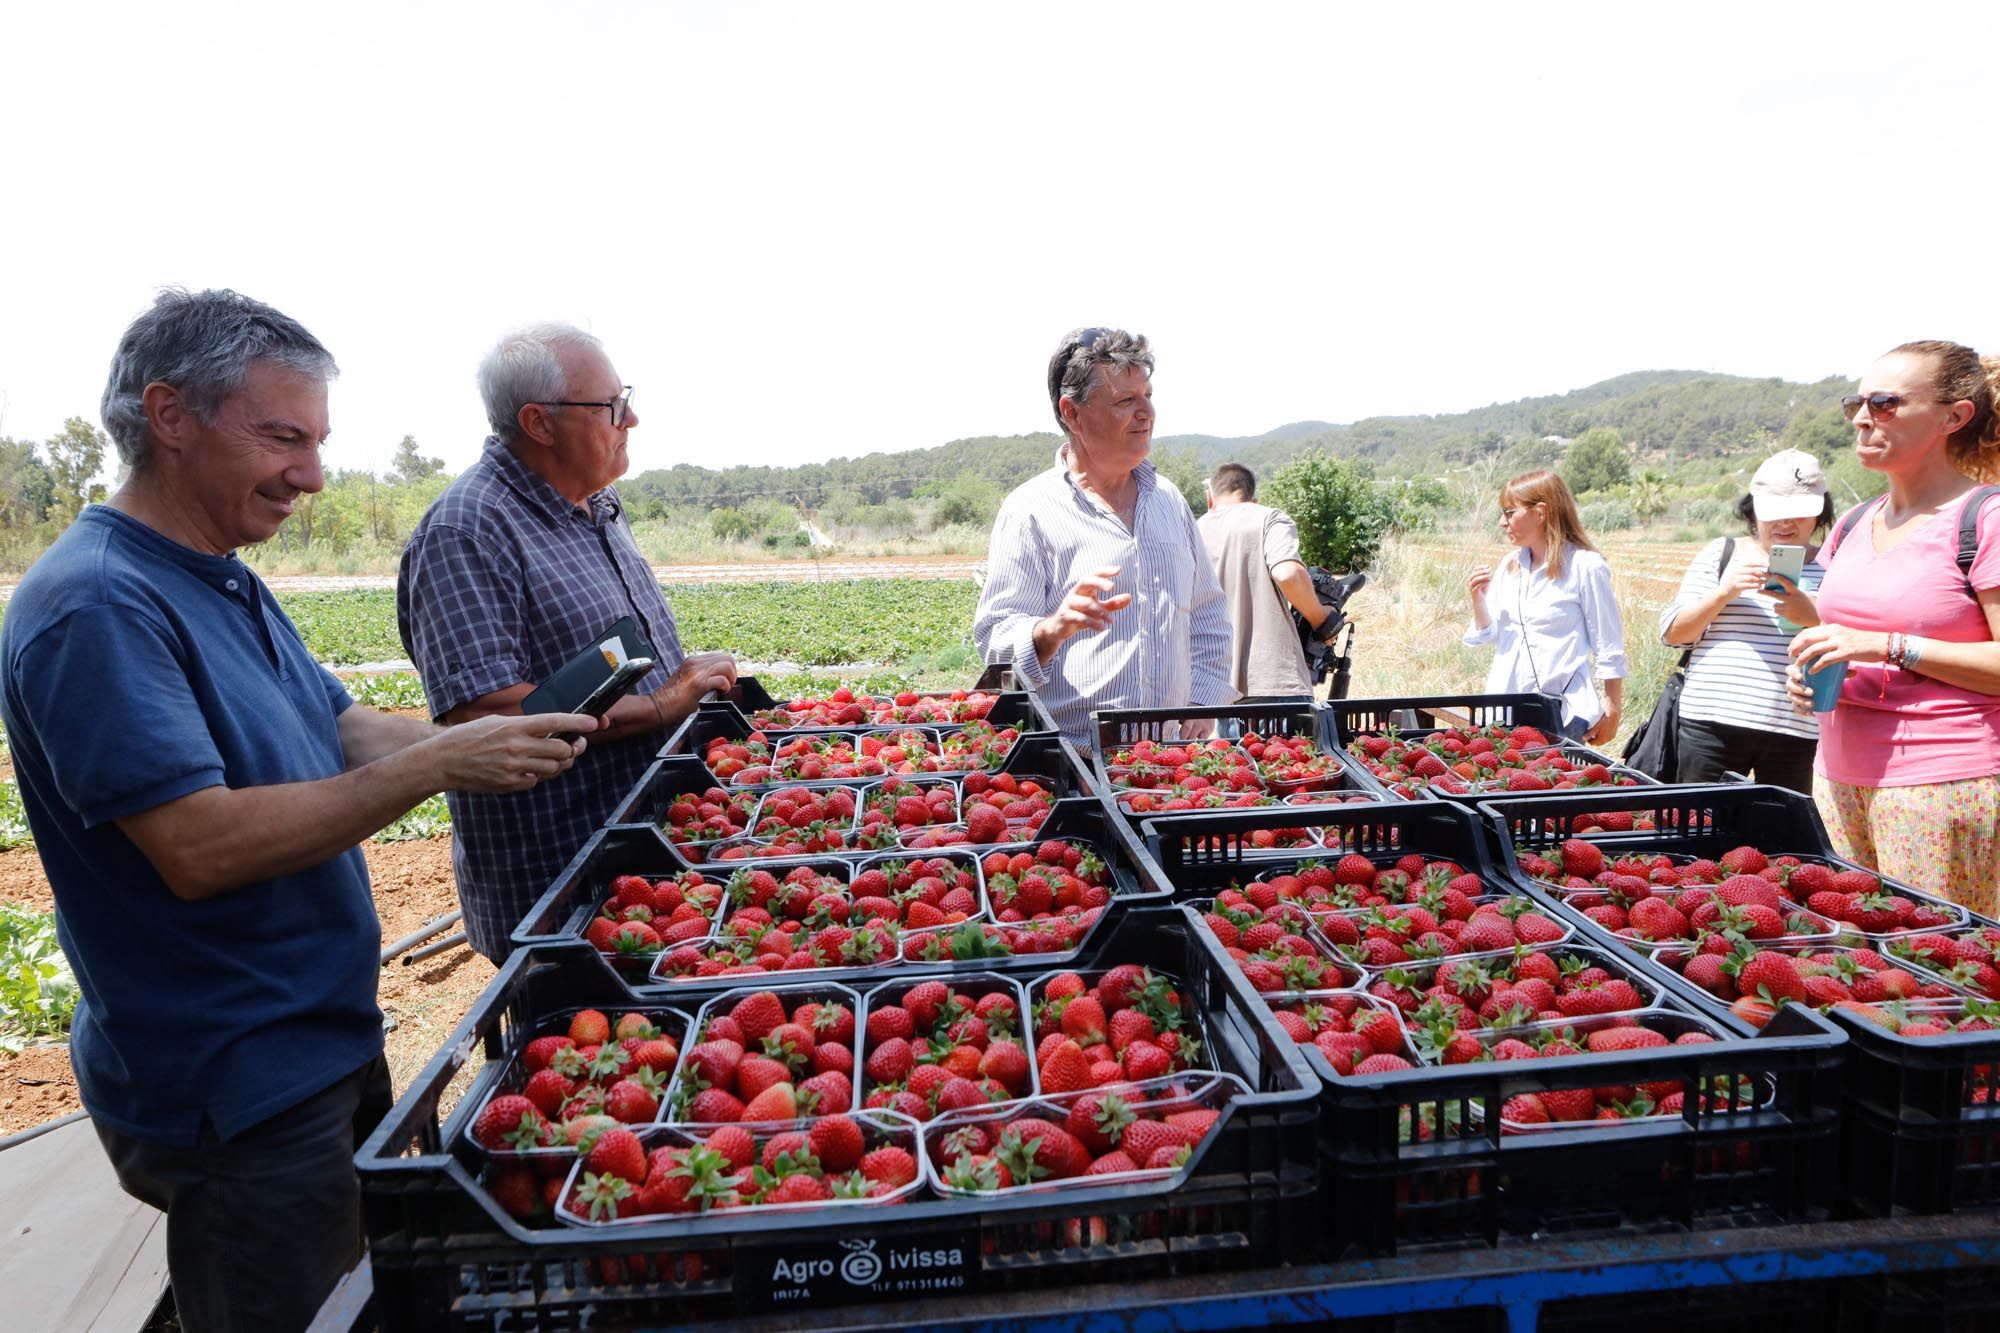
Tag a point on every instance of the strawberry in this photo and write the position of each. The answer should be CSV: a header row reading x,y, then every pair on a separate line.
x,y
777,1102
735,1146
837,1142
1006,1064
1098,1120
758,1014
508,1122
618,1152
1065,1069
830,1092
590,1028
890,1166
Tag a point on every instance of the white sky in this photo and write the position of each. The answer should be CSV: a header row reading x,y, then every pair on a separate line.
x,y
816,230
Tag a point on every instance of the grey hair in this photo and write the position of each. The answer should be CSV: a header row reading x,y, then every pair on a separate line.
x,y
523,368
1073,369
202,343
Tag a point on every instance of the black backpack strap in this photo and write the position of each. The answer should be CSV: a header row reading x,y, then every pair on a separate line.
x,y
1846,528
1721,567
1968,535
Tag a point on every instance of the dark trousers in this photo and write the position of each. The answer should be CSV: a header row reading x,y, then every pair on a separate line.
x,y
259,1229
1707,748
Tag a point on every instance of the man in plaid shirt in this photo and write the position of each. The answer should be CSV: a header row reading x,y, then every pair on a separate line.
x,y
516,569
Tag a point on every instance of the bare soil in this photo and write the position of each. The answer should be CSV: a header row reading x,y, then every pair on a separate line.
x,y
413,885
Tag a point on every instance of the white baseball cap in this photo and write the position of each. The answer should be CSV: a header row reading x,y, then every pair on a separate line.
x,y
1788,485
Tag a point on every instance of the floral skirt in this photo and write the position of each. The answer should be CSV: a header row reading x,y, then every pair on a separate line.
x,y
1942,837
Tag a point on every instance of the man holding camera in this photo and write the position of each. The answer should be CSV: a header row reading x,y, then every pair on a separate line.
x,y
1255,551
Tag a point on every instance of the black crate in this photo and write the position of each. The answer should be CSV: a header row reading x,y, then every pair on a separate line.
x,y
561,913
1194,855
1015,707
444,1256
1420,716
1049,759
1695,821
1385,1188
1892,1166
1687,821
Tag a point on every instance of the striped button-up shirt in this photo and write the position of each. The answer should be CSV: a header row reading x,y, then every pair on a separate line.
x,y
1168,649
503,581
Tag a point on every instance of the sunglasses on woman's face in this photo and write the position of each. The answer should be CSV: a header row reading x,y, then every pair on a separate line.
x,y
1880,405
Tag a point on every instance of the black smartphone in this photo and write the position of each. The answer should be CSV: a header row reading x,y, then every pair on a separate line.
x,y
615,687
583,675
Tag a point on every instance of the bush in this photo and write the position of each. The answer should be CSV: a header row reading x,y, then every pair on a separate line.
x,y
1341,513
1607,516
730,525
968,501
1595,460
1708,513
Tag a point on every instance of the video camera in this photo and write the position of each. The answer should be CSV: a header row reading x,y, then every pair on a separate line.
x,y
1330,648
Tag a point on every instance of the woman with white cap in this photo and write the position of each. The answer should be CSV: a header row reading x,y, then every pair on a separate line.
x,y
1734,712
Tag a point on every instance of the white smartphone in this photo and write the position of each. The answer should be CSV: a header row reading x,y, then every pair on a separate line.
x,y
1789,561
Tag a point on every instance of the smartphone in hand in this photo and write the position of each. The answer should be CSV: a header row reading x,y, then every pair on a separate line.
x,y
1789,561
616,686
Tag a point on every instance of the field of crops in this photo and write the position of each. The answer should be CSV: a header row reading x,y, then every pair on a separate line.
x,y
875,622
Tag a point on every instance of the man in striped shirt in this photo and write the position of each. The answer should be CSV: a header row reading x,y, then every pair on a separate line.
x,y
1098,588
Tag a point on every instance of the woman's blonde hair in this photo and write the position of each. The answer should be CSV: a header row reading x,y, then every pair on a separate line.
x,y
1965,376
1565,525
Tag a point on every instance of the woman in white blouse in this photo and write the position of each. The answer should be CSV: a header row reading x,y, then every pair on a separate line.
x,y
1548,610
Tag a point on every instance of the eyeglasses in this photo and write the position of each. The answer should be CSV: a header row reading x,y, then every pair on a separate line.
x,y
621,406
1880,405
1084,340
1507,515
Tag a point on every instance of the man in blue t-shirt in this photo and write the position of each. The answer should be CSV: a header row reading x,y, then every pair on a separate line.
x,y
198,787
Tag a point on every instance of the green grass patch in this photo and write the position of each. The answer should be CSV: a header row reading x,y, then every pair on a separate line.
x,y
14,830
38,994
390,689
887,621
426,820
346,628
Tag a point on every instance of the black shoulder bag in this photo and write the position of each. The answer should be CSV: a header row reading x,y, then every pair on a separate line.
x,y
1655,748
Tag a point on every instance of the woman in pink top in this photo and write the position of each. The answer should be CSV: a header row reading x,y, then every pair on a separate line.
x,y
1908,772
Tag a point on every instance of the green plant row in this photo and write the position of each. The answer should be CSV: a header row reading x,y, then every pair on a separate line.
x,y
37,992
876,621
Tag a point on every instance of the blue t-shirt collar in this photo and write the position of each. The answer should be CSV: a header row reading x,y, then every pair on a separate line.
x,y
225,573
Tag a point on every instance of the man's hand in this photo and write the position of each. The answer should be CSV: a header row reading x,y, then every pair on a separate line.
x,y
1084,609
507,753
699,673
1604,729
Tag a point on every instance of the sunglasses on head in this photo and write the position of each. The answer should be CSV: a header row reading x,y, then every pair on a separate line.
x,y
1879,404
1084,340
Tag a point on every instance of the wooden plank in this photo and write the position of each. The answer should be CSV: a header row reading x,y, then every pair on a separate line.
x,y
76,1252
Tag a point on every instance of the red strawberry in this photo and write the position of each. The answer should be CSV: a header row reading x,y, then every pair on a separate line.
x,y
758,1014
735,1145
509,1123
1065,1069
777,1102
890,1166
837,1142
590,1028
618,1152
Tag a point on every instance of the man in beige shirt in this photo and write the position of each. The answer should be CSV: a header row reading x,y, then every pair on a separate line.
x,y
1255,552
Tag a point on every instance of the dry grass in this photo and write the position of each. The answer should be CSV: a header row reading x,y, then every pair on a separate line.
x,y
1414,612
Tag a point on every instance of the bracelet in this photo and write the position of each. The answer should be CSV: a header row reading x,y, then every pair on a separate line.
x,y
1893,654
1911,653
